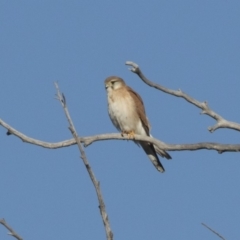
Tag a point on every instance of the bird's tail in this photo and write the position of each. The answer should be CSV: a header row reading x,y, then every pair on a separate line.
x,y
150,151
162,153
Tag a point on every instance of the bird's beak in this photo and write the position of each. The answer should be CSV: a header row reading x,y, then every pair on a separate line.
x,y
106,86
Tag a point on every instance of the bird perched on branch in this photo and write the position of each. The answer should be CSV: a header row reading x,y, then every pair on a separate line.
x,y
127,112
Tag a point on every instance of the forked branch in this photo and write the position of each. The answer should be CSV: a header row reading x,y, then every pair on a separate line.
x,y
221,122
220,148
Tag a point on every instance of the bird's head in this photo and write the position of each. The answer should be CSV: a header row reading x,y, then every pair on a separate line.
x,y
113,83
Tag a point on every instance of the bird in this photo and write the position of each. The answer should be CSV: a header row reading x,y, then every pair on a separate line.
x,y
127,113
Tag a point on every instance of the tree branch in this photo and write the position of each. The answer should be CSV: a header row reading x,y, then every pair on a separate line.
x,y
11,231
220,148
221,122
96,183
24,138
213,231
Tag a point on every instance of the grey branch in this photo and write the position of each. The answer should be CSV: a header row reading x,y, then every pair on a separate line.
x,y
95,182
213,231
221,122
220,148
11,231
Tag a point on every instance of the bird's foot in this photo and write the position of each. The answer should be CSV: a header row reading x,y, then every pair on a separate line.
x,y
130,134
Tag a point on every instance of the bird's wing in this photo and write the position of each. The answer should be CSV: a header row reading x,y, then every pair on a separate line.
x,y
142,115
140,109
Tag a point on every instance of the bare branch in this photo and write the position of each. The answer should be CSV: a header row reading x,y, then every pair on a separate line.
x,y
96,184
221,122
11,231
24,138
213,231
220,148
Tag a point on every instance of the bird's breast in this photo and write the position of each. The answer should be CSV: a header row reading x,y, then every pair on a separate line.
x,y
122,111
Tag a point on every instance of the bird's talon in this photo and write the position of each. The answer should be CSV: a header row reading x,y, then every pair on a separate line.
x,y
131,135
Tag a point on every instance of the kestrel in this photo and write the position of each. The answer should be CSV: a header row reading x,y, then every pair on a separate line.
x,y
127,112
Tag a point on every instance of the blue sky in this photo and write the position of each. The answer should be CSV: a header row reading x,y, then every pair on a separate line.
x,y
191,45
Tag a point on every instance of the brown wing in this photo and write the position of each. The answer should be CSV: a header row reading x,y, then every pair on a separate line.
x,y
147,147
140,109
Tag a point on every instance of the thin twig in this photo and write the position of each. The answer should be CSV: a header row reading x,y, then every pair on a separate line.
x,y
220,148
213,231
96,184
221,122
11,231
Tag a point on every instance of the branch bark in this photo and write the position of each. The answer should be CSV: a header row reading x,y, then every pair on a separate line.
x,y
221,122
11,231
220,148
95,182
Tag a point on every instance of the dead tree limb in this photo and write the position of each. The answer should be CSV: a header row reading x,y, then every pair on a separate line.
x,y
95,182
221,122
11,231
220,148
205,225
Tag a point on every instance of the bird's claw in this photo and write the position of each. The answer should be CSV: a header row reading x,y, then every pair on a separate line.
x,y
130,134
